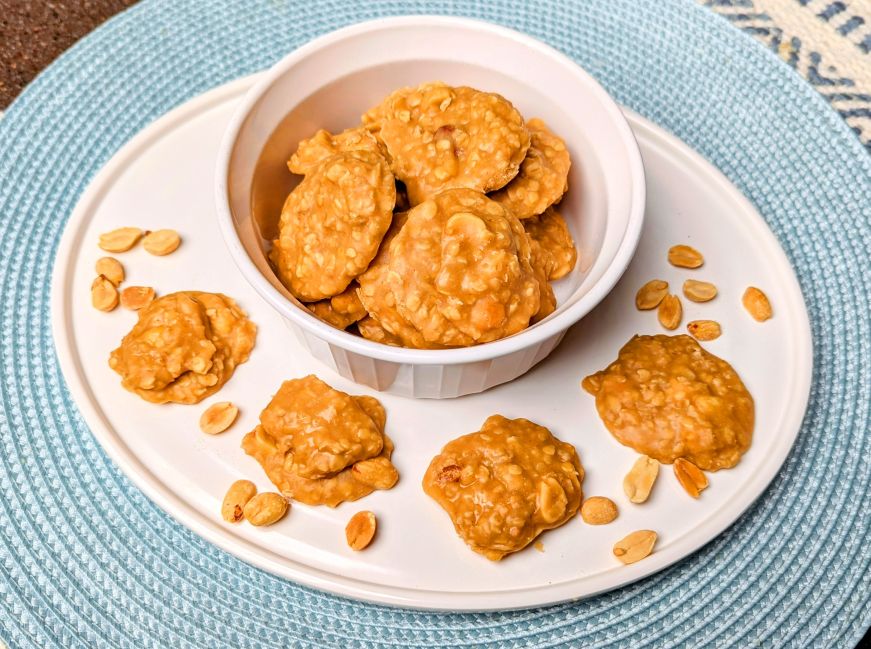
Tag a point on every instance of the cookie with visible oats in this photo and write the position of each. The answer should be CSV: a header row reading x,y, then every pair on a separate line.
x,y
505,484
550,236
323,144
440,137
184,347
332,224
321,430
340,439
543,177
340,311
458,273
668,398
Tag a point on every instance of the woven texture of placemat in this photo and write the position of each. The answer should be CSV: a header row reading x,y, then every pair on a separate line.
x,y
87,561
828,42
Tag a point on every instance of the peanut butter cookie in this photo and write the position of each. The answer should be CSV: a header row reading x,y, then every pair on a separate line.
x,y
321,446
332,224
549,232
342,310
458,273
184,347
668,398
440,137
505,484
543,177
322,145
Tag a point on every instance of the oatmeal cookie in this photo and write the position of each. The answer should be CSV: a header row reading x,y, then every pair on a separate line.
x,y
668,398
184,347
332,224
342,310
549,234
458,273
440,137
543,177
319,430
505,484
323,144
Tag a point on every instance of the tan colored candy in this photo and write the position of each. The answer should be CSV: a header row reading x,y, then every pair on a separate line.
x,y
439,137
111,269
104,295
238,495
651,294
265,509
691,477
161,242
698,291
184,347
757,304
342,310
639,482
550,232
458,273
341,431
120,240
685,257
670,312
332,224
666,397
360,530
323,145
323,430
373,330
137,297
505,484
704,329
218,417
598,510
635,547
543,177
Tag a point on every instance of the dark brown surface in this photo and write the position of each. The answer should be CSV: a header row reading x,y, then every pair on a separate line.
x,y
33,33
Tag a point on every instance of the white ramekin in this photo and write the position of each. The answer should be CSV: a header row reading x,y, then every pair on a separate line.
x,y
329,82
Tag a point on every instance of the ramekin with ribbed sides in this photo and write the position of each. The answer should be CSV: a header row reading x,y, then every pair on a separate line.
x,y
329,82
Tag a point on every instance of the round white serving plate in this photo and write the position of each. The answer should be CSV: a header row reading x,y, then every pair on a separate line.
x,y
163,178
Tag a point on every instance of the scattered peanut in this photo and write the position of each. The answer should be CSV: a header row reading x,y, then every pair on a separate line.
x,y
265,509
360,530
651,294
635,546
639,481
218,417
598,510
698,291
104,295
685,257
757,304
119,240
238,495
137,297
691,478
704,329
161,242
670,312
111,269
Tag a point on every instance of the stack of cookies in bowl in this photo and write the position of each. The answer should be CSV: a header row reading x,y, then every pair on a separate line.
x,y
431,224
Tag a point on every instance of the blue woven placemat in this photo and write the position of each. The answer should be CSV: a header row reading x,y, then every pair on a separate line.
x,y
86,560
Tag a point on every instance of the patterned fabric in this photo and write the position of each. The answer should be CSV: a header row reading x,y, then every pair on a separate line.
x,y
827,42
87,561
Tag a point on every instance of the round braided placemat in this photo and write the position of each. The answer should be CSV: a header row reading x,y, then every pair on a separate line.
x,y
86,560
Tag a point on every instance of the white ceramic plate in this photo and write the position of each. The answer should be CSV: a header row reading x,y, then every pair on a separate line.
x,y
163,178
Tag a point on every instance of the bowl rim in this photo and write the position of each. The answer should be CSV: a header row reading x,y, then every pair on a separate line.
x,y
301,317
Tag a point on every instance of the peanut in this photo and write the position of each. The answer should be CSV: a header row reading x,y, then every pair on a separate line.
x,y
691,478
704,329
104,295
670,312
119,240
218,417
651,294
137,297
360,530
639,481
598,510
698,291
111,269
238,495
635,546
757,304
685,257
265,509
161,242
